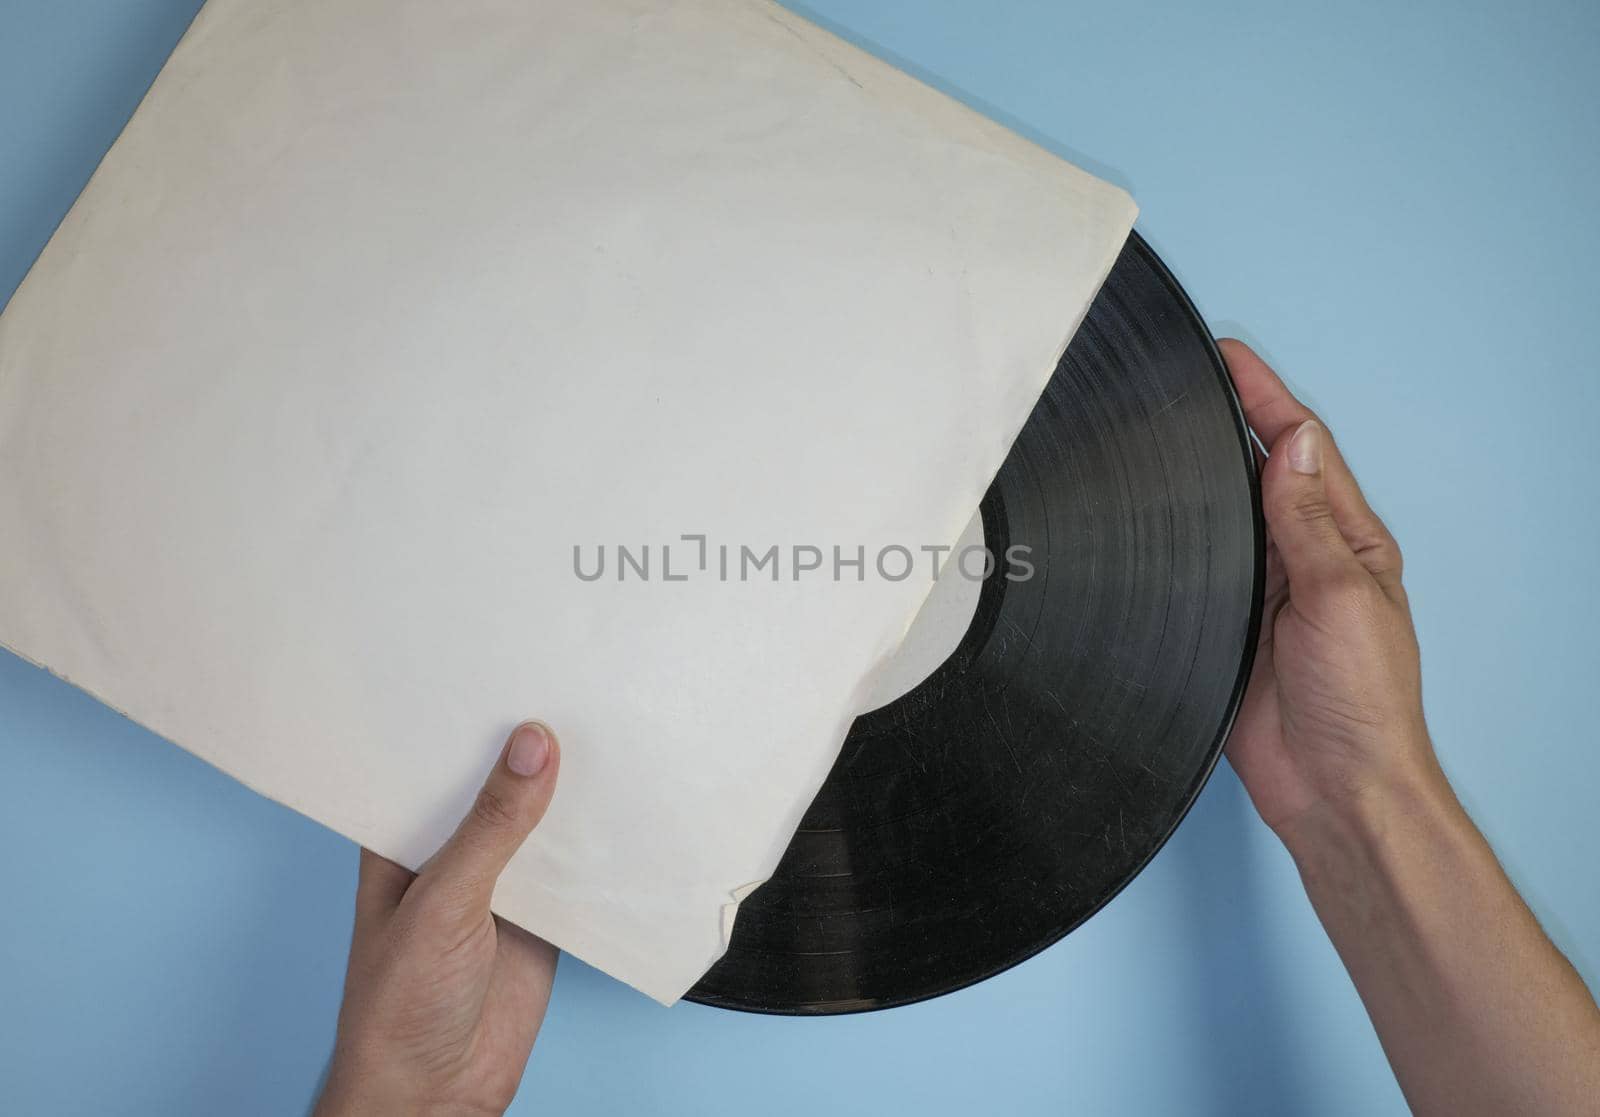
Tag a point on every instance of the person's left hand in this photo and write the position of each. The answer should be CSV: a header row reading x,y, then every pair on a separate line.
x,y
443,1000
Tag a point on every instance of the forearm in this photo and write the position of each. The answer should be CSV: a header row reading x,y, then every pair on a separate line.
x,y
1477,1010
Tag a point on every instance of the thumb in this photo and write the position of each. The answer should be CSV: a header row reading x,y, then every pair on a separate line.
x,y
1294,496
511,803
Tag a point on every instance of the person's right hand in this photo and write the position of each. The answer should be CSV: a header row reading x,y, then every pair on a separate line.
x,y
1476,1008
1332,718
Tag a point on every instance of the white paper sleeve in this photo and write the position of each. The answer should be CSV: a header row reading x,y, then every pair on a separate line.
x,y
381,311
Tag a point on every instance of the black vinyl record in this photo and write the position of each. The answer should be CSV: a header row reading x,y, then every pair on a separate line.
x,y
989,811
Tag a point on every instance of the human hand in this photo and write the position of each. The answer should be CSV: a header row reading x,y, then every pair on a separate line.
x,y
1476,1008
443,1000
1332,719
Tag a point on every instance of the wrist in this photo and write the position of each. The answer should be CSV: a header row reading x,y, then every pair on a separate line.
x,y
1369,823
356,1092
351,1093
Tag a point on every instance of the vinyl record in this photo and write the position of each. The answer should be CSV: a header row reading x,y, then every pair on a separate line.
x,y
1001,802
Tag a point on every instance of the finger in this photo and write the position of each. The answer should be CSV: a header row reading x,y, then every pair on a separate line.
x,y
1272,411
525,965
380,886
1269,407
511,803
519,993
1294,496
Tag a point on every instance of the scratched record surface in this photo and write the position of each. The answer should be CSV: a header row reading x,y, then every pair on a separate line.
x,y
1007,797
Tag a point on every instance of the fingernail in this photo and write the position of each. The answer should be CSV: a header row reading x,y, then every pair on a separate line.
x,y
530,748
1305,448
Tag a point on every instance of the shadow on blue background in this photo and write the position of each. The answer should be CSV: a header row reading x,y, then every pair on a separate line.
x,y
1397,199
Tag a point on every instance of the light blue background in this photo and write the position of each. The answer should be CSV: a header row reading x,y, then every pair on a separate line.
x,y
1396,201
